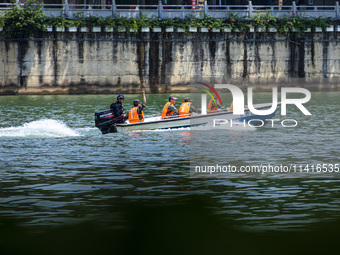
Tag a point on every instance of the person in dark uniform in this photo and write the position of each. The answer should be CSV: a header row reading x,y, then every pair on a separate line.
x,y
118,110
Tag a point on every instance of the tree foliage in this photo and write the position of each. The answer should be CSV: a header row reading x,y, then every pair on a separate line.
x,y
24,21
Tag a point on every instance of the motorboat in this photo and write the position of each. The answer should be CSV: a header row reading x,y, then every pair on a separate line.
x,y
104,120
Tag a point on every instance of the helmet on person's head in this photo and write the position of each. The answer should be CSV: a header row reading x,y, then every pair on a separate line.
x,y
136,102
187,99
120,96
172,97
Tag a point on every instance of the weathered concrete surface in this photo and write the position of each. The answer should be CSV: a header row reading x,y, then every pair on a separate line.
x,y
62,63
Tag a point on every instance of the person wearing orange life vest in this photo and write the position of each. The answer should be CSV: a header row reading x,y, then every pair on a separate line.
x,y
212,107
169,109
136,112
186,108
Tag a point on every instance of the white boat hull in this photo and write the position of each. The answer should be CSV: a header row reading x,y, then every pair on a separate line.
x,y
154,123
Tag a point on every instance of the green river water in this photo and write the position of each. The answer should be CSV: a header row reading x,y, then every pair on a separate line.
x,y
56,168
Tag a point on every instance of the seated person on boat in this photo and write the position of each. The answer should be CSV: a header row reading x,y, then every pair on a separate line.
x,y
186,108
119,115
213,106
136,112
169,110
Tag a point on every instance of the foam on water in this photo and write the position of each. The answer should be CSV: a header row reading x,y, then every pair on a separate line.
x,y
39,128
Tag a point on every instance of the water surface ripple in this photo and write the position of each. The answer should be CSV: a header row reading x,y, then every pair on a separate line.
x,y
55,167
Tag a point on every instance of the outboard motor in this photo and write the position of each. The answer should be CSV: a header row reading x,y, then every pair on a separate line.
x,y
104,121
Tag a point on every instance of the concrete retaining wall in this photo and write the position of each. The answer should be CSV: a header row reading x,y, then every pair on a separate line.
x,y
62,63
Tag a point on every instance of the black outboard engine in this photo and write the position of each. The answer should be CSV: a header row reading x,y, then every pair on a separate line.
x,y
104,121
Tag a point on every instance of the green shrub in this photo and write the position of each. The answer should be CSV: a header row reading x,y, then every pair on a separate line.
x,y
22,22
321,22
284,24
211,22
264,21
130,23
56,21
234,22
87,21
2,20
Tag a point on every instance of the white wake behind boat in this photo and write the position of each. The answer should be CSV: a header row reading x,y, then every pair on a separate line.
x,y
104,120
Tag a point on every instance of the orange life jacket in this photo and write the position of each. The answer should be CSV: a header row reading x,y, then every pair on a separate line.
x,y
184,109
231,108
211,107
134,117
165,110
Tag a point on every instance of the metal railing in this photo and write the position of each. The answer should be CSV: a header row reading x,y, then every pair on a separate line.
x,y
161,11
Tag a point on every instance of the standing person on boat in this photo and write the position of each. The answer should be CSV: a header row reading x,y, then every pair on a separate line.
x,y
119,115
186,108
169,109
136,112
